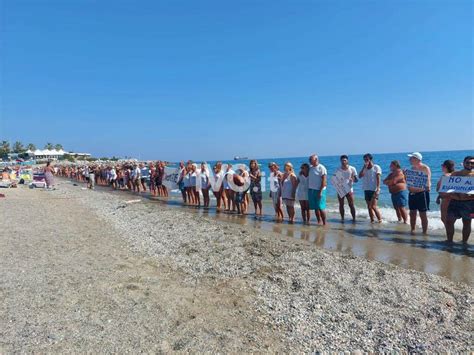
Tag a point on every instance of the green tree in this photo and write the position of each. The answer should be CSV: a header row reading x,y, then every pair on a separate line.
x,y
4,149
49,146
18,147
31,147
58,146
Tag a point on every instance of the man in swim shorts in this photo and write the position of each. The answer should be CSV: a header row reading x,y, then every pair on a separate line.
x,y
317,182
370,174
461,205
419,197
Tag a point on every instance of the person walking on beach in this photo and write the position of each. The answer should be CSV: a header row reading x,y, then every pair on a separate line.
x,y
419,197
302,192
256,187
275,190
349,174
370,175
49,175
136,175
443,198
461,205
288,190
317,183
397,186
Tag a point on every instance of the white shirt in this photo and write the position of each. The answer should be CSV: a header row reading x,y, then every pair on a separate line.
x,y
369,180
136,173
347,174
315,177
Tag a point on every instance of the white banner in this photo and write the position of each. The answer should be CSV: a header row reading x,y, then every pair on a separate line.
x,y
341,184
417,179
170,180
457,184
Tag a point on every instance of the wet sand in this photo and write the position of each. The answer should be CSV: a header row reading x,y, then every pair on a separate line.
x,y
386,242
94,271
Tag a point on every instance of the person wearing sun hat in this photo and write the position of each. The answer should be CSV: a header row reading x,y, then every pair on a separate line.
x,y
419,198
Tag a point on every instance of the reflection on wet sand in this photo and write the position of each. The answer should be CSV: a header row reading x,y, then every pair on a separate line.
x,y
388,243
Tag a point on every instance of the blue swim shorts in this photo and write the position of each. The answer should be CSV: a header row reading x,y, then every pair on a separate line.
x,y
315,202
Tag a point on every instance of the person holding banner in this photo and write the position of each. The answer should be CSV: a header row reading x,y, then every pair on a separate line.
x,y
397,186
218,188
419,186
346,175
461,205
443,198
229,192
370,175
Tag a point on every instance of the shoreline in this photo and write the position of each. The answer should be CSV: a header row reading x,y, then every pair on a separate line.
x,y
296,295
387,242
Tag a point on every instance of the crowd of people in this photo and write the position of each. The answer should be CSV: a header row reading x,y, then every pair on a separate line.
x,y
233,189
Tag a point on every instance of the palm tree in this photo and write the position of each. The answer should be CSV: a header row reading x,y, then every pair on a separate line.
x,y
58,147
31,147
49,146
4,148
18,147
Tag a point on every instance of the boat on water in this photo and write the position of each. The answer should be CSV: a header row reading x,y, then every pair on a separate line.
x,y
240,158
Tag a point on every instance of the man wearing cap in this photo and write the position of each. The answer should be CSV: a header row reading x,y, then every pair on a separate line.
x,y
461,205
419,197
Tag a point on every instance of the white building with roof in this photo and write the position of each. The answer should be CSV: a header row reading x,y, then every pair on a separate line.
x,y
52,154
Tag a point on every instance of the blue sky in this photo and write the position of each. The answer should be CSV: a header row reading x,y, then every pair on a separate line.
x,y
213,79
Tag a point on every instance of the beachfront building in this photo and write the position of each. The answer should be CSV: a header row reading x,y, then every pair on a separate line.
x,y
53,154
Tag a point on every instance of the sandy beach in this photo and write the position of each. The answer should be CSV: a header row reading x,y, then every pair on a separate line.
x,y
91,271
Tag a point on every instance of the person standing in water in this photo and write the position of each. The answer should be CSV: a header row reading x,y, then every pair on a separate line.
x,y
181,176
370,175
275,190
288,190
317,183
256,187
397,186
218,188
144,176
443,198
419,197
205,184
229,193
349,173
302,192
461,205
